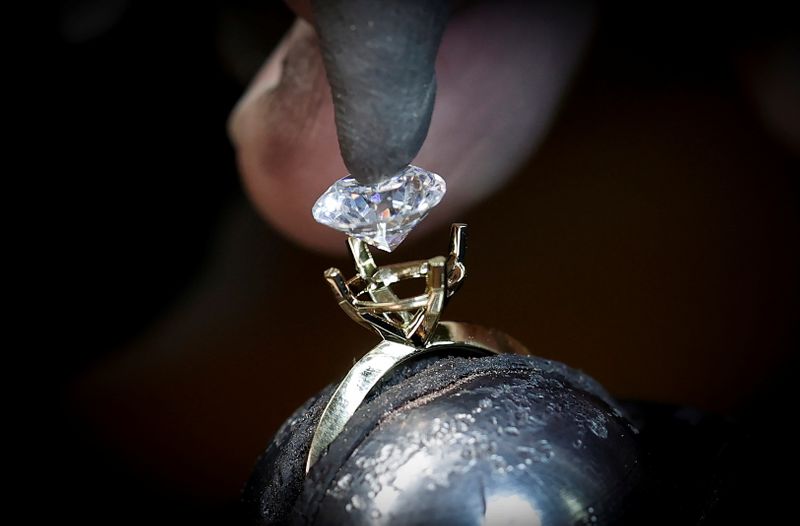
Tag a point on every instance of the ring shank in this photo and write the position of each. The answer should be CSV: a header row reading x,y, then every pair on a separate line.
x,y
387,355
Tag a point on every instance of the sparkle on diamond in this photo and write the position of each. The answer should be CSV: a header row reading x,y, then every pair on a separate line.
x,y
384,214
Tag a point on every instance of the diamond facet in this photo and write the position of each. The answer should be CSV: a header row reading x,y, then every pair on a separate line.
x,y
384,214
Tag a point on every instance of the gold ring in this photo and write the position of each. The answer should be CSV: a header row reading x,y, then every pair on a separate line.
x,y
409,327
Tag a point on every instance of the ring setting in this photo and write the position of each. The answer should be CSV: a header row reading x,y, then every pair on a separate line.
x,y
408,327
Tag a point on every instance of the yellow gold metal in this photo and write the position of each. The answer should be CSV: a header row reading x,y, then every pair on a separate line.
x,y
409,327
401,320
456,271
387,355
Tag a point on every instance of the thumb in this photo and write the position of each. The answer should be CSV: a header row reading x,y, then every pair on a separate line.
x,y
285,139
502,68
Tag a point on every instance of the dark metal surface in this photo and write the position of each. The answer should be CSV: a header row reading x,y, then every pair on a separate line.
x,y
532,449
419,435
379,58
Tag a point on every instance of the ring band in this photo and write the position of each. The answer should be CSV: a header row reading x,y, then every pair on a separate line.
x,y
383,358
409,327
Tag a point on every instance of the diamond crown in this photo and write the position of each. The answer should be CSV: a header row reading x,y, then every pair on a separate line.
x,y
382,214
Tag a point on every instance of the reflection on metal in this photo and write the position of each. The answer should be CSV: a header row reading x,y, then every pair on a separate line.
x,y
510,510
409,320
409,327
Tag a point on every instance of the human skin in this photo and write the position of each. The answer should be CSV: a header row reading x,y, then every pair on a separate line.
x,y
501,69
208,375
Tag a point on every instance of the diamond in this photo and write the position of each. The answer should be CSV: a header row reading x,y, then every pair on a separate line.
x,y
384,214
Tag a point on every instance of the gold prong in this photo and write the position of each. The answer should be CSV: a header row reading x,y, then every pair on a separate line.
x,y
456,270
403,305
335,279
365,263
412,319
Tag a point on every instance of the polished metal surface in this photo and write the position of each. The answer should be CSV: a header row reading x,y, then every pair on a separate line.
x,y
409,320
387,355
477,337
409,327
527,447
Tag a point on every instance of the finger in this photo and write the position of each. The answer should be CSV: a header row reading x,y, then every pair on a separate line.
x,y
302,8
501,70
285,138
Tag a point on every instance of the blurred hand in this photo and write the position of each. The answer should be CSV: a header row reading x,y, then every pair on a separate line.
x,y
501,70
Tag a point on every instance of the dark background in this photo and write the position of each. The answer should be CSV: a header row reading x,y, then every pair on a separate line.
x,y
659,227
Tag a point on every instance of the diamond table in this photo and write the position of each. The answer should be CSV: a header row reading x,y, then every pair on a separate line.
x,y
384,214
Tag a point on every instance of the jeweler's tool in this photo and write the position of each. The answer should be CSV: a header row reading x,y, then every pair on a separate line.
x,y
379,58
